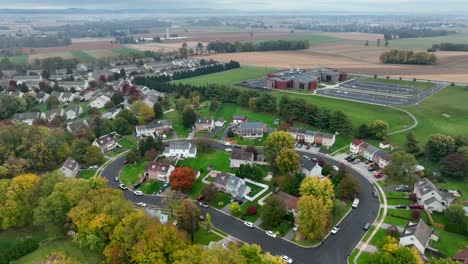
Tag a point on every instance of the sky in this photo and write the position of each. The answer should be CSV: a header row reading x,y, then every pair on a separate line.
x,y
407,6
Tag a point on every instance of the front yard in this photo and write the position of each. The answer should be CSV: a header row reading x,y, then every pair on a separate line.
x,y
219,160
86,174
203,237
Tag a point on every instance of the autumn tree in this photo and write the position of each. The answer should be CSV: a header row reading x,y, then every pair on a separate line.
x,y
58,257
209,192
182,178
143,112
401,167
275,142
314,217
287,160
392,252
171,201
454,166
378,129
439,146
273,212
188,214
235,209
348,187
52,102
321,188
411,144
93,155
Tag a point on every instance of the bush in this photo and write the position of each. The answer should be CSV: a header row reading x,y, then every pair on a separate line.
x,y
392,231
412,197
17,250
251,210
416,214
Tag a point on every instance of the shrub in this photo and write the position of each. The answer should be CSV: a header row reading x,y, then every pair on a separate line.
x,y
392,231
412,197
416,214
17,250
251,210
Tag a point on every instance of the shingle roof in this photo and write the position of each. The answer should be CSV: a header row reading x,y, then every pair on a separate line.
x,y
357,142
70,164
27,116
103,140
383,155
179,145
222,178
253,125
289,200
158,167
420,230
241,155
307,163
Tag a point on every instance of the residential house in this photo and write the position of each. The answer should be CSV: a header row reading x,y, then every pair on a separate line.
x,y
231,184
66,97
73,112
417,235
206,124
99,102
25,78
68,85
41,97
28,118
76,127
432,198
111,114
354,146
382,158
289,201
239,157
70,167
384,145
182,149
237,119
88,95
312,137
220,122
55,112
461,257
105,143
150,100
367,151
154,129
310,167
251,129
159,171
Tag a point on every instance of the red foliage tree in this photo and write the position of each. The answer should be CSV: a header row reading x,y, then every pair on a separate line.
x,y
321,162
412,197
42,85
182,178
12,84
251,210
102,79
416,214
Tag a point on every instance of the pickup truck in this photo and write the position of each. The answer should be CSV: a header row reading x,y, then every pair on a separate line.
x,y
355,203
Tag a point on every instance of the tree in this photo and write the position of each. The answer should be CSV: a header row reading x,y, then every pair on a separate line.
x,y
434,260
122,126
415,214
208,222
391,252
58,257
214,104
273,212
101,126
251,210
52,102
366,43
348,187
378,42
320,188
439,146
314,217
158,111
401,167
209,192
378,129
93,155
275,142
182,178
188,116
235,209
455,214
187,216
129,116
393,231
45,74
203,145
287,160
454,166
117,98
341,123
386,42
143,112
411,144
253,172
463,151
171,201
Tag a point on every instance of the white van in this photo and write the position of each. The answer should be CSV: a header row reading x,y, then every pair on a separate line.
x,y
355,203
227,144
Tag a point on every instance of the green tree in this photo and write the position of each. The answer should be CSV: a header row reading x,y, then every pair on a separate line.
x,y
341,123
188,116
79,149
273,212
401,167
209,225
235,209
362,131
378,129
314,217
366,43
439,146
275,142
463,151
455,214
158,111
411,144
93,155
214,105
171,201
52,102
117,98
129,116
454,166
122,126
435,260
348,187
287,160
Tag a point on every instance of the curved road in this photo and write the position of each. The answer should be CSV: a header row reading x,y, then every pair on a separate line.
x,y
334,249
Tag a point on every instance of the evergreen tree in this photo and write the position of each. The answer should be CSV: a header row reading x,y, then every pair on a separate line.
x,y
411,144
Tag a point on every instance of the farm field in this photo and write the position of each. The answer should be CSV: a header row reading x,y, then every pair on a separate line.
x,y
81,55
425,43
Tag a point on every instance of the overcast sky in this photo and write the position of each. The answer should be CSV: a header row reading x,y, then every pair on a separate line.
x,y
251,5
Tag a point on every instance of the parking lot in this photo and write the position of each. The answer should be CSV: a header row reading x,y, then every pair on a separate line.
x,y
361,166
380,87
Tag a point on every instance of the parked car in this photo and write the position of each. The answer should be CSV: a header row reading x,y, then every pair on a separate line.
x,y
335,168
125,161
374,193
401,206
378,175
202,218
306,157
366,226
402,188
286,259
335,230
371,168
202,204
416,206
138,193
94,167
299,145
296,226
314,159
228,150
141,204
116,178
249,224
122,186
355,203
237,146
227,144
271,233
200,198
308,147
356,161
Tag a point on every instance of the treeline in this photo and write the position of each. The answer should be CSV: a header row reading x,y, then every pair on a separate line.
x,y
408,57
151,81
449,47
35,41
229,47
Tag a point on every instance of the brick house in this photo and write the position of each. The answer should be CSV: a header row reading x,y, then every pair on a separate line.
x,y
159,171
303,79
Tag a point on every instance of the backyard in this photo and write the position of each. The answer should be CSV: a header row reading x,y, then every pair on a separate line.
x,y
218,160
86,174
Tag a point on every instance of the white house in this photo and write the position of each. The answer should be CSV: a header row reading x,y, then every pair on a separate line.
x,y
231,184
312,137
354,146
105,143
182,149
111,114
432,198
239,157
310,167
55,112
70,167
88,95
73,112
29,118
99,102
417,235
153,129
252,129
66,97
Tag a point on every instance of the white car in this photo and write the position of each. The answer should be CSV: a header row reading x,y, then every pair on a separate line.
x,y
138,193
286,259
335,230
122,186
335,168
296,227
248,224
227,144
271,233
202,204
141,204
228,150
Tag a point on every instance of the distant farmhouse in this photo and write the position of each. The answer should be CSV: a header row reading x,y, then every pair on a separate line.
x,y
303,79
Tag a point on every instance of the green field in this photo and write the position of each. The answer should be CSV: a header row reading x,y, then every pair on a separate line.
x,y
379,238
313,40
227,111
7,237
197,187
131,174
202,236
423,86
81,255
219,160
125,51
425,43
177,125
81,55
19,59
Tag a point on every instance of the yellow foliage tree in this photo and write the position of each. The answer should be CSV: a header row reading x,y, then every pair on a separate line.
x,y
287,160
314,217
321,188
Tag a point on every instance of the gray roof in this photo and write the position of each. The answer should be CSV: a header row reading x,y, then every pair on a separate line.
x,y
383,155
308,164
53,112
420,230
153,125
233,181
222,178
430,200
70,164
372,149
252,125
74,108
424,186
74,126
27,116
180,145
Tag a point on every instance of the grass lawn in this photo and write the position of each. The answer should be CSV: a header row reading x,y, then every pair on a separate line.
x,y
7,237
368,233
456,185
342,142
81,55
151,187
227,111
218,159
126,51
423,86
364,258
132,173
230,77
380,238
247,141
81,255
340,214
197,187
395,221
254,189
177,125
129,142
353,255
247,217
450,101
220,200
425,43
203,237
398,201
114,152
396,195
201,134
401,217
86,174
449,243
313,40
19,59
283,228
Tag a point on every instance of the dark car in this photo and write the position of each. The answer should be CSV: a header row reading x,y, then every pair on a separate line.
x,y
202,218
371,168
374,193
366,226
401,206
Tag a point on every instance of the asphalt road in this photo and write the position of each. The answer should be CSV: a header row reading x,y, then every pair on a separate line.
x,y
335,248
